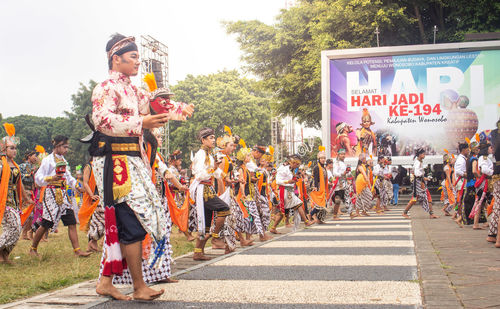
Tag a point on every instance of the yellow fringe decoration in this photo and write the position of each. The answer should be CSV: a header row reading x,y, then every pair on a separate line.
x,y
228,130
322,148
40,149
271,150
242,143
150,80
10,129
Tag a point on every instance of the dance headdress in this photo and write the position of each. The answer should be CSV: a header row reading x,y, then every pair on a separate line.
x,y
243,152
10,129
228,137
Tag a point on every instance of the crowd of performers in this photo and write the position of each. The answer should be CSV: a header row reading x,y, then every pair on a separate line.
x,y
132,196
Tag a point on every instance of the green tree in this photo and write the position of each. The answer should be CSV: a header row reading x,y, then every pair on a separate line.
x,y
34,130
286,55
82,105
224,98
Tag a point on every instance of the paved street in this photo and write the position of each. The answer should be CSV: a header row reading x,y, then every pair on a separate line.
x,y
365,263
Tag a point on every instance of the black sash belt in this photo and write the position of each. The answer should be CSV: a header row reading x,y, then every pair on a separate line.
x,y
105,146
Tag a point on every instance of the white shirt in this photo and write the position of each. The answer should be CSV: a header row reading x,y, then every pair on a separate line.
x,y
378,170
48,168
461,165
201,171
329,174
485,165
284,174
418,168
387,170
339,168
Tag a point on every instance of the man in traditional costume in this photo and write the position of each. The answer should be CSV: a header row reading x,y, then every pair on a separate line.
x,y
28,169
263,194
420,192
319,193
461,174
208,204
363,186
54,174
481,185
132,206
339,187
448,184
91,214
387,184
289,202
12,194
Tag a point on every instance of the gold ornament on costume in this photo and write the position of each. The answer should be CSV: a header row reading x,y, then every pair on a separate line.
x,y
222,141
243,153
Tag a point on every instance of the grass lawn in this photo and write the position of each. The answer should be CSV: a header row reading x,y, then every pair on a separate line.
x,y
58,267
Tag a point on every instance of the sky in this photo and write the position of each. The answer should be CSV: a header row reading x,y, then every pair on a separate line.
x,y
49,47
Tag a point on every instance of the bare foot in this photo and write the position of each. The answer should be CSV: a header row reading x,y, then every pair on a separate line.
x,y
433,216
80,253
309,223
25,237
336,218
353,216
447,214
288,225
406,216
147,293
497,245
459,222
265,237
491,239
227,251
190,238
92,247
246,243
110,291
364,213
199,256
34,253
218,243
477,228
274,231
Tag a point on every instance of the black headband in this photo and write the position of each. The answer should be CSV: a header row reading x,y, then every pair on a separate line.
x,y
206,132
260,149
130,47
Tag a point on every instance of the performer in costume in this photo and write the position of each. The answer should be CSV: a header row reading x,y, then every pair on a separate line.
x,y
340,185
54,174
481,185
319,194
448,184
363,187
91,212
289,202
28,169
495,180
470,190
419,186
235,222
263,194
202,190
387,184
367,141
123,173
461,174
12,194
247,192
380,189
179,189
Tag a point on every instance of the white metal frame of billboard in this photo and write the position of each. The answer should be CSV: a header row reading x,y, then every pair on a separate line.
x,y
328,55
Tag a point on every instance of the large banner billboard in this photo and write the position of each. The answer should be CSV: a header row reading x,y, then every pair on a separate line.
x,y
390,105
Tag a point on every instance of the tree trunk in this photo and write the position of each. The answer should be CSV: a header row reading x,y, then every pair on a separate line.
x,y
420,24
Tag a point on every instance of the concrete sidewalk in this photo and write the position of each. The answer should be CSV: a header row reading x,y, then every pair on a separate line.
x,y
458,268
